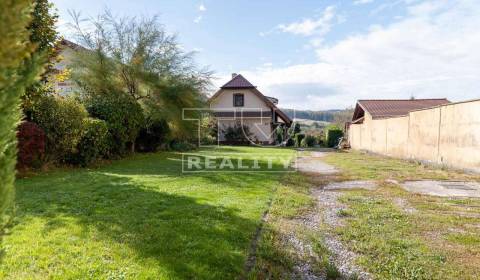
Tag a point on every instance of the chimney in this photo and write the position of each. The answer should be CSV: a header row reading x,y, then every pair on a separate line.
x,y
234,75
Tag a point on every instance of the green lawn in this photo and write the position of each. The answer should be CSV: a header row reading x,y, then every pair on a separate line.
x,y
138,218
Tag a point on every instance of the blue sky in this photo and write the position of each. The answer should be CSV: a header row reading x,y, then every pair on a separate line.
x,y
324,54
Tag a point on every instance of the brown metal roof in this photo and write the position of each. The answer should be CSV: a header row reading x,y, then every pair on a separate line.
x,y
238,82
393,108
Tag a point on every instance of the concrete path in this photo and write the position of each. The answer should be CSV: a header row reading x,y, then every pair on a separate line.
x,y
348,185
313,164
443,188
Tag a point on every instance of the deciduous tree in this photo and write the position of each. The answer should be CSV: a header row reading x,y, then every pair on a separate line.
x,y
136,56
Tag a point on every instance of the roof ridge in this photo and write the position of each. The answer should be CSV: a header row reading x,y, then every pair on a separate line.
x,y
238,81
402,99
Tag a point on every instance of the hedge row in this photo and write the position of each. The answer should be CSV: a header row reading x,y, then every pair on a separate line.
x,y
66,130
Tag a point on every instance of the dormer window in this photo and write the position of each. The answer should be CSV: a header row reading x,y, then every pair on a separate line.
x,y
238,100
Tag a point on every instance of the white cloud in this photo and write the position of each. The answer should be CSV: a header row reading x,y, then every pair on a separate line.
x,y
198,19
361,2
431,52
308,27
202,8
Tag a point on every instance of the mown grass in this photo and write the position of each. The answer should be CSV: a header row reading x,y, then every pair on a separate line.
x,y
420,237
138,218
275,257
362,166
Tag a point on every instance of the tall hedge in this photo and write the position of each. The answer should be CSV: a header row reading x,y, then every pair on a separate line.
x,y
17,72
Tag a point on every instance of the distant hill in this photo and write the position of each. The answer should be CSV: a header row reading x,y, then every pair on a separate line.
x,y
325,116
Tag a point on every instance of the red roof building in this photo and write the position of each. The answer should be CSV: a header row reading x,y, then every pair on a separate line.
x,y
380,109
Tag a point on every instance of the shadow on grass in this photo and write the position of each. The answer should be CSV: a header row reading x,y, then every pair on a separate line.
x,y
184,237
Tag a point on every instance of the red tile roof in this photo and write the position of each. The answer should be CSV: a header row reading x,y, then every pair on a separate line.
x,y
238,82
394,108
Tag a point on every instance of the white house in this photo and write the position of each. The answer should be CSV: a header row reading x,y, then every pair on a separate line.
x,y
67,53
240,102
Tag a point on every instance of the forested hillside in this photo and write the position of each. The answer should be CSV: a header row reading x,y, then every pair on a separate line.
x,y
334,116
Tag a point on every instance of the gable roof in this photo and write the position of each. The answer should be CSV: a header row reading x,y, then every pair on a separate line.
x,y
72,45
393,108
238,81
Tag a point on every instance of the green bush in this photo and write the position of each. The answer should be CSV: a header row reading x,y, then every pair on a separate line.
x,y
294,129
279,135
298,139
124,118
62,121
237,134
182,146
303,144
310,141
290,142
333,136
94,142
151,137
320,139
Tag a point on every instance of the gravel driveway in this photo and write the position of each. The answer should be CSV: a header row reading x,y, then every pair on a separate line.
x,y
326,211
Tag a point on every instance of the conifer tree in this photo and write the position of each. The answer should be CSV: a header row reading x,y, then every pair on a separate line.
x,y
19,67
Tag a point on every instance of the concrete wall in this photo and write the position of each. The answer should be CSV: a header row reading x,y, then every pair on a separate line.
x,y
447,135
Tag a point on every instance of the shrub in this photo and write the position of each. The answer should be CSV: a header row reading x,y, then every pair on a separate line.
x,y
208,130
31,145
62,120
290,142
298,139
333,136
294,129
303,144
152,136
123,115
320,139
310,141
182,146
237,134
94,142
279,135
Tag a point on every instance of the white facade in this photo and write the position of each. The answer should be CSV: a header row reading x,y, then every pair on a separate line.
x,y
239,103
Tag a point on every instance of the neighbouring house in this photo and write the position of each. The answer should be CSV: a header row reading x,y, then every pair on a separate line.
x,y
366,110
238,102
67,53
429,130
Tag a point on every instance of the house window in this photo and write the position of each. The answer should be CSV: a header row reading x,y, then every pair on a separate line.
x,y
238,100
